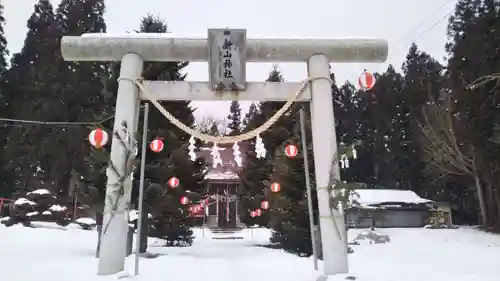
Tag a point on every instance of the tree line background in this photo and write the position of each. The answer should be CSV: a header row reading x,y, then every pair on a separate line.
x,y
426,127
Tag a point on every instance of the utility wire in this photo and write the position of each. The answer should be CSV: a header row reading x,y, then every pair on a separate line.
x,y
436,24
424,20
60,123
419,24
19,122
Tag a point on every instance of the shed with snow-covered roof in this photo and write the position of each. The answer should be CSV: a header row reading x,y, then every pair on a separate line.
x,y
387,208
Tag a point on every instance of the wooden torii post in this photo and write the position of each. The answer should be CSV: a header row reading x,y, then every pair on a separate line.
x,y
227,51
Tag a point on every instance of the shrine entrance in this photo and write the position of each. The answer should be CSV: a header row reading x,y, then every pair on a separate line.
x,y
227,52
222,213
222,185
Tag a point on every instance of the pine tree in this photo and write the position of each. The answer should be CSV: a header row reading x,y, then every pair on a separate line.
x,y
32,80
5,99
81,168
280,131
256,172
214,130
250,115
4,52
380,117
170,218
472,49
234,118
289,217
384,114
348,121
423,83
289,214
82,97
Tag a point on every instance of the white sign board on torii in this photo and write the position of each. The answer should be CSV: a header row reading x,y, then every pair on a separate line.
x,y
133,51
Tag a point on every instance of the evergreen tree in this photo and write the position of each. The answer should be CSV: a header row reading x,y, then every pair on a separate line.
x,y
379,125
473,53
386,116
349,123
29,85
423,84
3,45
234,118
64,92
251,114
256,173
82,96
5,99
289,217
214,130
81,168
170,218
281,130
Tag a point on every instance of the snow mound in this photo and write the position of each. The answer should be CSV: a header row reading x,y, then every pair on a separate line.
x,y
23,201
372,237
38,205
86,223
39,192
133,215
57,208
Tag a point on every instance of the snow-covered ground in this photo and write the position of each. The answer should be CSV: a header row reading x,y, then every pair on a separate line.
x,y
63,254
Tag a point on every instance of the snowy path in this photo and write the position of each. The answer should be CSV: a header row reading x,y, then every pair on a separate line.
x,y
413,255
67,255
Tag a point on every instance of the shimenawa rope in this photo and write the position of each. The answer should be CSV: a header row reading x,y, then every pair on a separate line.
x,y
225,139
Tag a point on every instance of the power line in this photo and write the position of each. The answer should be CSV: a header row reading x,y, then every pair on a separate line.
x,y
421,22
18,122
424,20
436,24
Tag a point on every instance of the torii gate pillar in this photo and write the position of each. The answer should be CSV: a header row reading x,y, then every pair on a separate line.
x,y
318,53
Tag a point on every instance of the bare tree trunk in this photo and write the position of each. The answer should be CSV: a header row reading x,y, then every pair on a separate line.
x,y
130,241
480,197
376,172
490,204
497,204
72,186
99,218
143,247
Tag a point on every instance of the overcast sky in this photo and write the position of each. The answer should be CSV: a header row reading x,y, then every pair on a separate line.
x,y
398,21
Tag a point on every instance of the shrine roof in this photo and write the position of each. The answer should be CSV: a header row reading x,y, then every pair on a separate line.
x,y
229,170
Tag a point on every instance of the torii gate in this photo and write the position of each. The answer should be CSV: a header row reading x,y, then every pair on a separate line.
x,y
227,82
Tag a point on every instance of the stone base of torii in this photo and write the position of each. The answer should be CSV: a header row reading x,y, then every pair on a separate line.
x,y
227,52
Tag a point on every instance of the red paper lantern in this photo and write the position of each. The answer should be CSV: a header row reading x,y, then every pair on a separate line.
x,y
275,187
253,214
366,81
291,150
156,145
184,200
264,205
173,182
98,138
258,212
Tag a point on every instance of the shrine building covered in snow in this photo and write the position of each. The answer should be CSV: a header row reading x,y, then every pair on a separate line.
x,y
222,184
